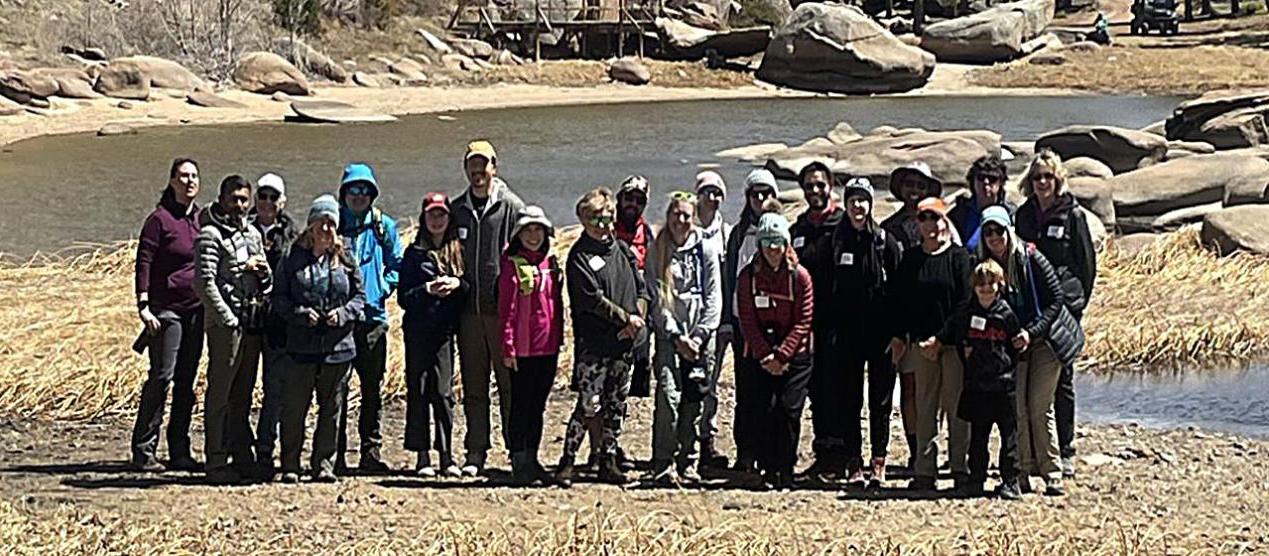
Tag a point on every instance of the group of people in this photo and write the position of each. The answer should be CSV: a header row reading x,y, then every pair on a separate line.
x,y
974,312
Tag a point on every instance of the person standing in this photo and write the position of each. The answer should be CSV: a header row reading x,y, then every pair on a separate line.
x,y
485,216
432,293
711,191
1052,220
865,260
684,273
932,284
742,245
320,294
776,303
812,236
172,317
278,232
531,306
232,280
609,304
986,178
632,229
372,240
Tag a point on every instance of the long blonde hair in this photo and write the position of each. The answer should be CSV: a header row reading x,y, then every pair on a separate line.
x,y
338,251
663,249
1046,159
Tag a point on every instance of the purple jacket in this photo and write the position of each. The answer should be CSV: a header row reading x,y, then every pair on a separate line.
x,y
165,256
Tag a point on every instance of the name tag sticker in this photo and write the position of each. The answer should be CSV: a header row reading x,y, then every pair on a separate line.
x,y
1056,232
798,242
846,259
462,233
596,263
761,301
978,323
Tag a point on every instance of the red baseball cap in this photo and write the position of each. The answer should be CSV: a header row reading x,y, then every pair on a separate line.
x,y
435,200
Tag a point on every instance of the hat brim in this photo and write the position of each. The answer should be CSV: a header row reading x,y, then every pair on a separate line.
x,y
523,223
934,191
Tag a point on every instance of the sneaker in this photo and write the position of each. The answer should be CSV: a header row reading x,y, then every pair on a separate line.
x,y
564,475
878,473
689,474
921,484
472,470
745,464
710,457
857,479
373,466
325,476
223,476
623,463
611,472
1068,467
823,470
427,472
147,465
452,471
769,480
665,477
1054,488
1009,491
184,463
290,478
784,480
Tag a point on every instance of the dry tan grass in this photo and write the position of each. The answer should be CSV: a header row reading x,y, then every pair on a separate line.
x,y
70,322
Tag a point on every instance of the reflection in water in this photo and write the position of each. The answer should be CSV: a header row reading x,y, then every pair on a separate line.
x,y
1234,401
59,190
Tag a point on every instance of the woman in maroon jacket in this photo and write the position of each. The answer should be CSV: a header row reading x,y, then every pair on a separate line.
x,y
775,299
173,320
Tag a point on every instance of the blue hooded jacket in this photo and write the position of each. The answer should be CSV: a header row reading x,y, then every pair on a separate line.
x,y
373,242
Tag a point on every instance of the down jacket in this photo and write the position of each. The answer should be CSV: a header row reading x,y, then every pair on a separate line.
x,y
227,289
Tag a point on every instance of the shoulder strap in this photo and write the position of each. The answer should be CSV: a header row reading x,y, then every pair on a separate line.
x,y
376,224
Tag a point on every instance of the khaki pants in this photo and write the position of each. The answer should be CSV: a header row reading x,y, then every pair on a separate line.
x,y
479,348
938,392
232,359
1037,379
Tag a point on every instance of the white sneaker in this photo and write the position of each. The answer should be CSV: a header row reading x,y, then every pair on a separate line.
x,y
471,470
452,471
427,472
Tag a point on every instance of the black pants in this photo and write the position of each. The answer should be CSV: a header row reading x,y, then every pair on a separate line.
x,y
531,383
429,393
855,353
1064,411
779,400
174,355
982,410
371,364
744,430
826,392
641,371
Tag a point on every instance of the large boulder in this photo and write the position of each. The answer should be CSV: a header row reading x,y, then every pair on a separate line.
x,y
473,48
1095,195
267,73
948,153
1123,150
997,34
1187,182
159,72
629,70
333,112
1225,120
22,86
1085,167
311,60
123,81
837,48
683,41
706,14
1244,228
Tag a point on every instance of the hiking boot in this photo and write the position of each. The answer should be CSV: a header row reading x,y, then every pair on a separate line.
x,y
878,473
824,469
1009,491
710,457
784,480
921,484
147,465
959,480
1054,488
1024,485
970,489
370,465
520,475
857,478
564,473
769,480
1068,467
184,463
610,471
325,476
223,476
623,463
745,464
290,478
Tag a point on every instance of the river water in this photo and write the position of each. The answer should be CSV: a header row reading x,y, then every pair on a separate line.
x,y
1235,401
80,188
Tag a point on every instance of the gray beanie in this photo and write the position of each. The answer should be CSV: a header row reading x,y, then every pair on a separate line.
x,y
324,206
773,226
761,177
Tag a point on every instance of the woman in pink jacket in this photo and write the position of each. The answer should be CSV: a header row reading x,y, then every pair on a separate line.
x,y
531,307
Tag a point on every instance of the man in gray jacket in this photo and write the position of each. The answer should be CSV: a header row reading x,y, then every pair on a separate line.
x,y
485,216
232,279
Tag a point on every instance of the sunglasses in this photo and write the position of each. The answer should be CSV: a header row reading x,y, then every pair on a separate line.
x,y
1044,176
989,178
600,221
711,192
928,216
683,196
272,198
993,231
761,194
815,185
359,190
773,243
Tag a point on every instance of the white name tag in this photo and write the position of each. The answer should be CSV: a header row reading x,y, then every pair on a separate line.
x,y
462,233
798,242
761,301
596,263
846,259
978,323
1056,232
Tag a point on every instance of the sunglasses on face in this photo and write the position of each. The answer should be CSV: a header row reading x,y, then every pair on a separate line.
x,y
1046,176
774,243
712,192
359,190
928,216
600,221
683,196
761,194
993,231
270,197
816,185
990,179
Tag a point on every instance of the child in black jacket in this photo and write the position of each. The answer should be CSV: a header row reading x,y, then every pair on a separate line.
x,y
986,335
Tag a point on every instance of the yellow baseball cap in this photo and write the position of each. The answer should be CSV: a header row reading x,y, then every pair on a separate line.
x,y
480,148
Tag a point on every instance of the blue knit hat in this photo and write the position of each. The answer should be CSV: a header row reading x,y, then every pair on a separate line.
x,y
324,206
773,226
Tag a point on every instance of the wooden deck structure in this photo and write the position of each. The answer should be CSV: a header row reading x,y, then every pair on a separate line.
x,y
606,23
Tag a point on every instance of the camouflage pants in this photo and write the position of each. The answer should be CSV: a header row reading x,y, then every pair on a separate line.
x,y
602,385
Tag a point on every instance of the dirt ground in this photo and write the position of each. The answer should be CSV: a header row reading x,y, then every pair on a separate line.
x,y
65,489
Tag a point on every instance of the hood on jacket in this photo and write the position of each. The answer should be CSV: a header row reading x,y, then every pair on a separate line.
x,y
167,201
358,172
497,190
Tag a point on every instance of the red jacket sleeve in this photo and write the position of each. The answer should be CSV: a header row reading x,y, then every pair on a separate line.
x,y
147,245
755,342
804,300
508,293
